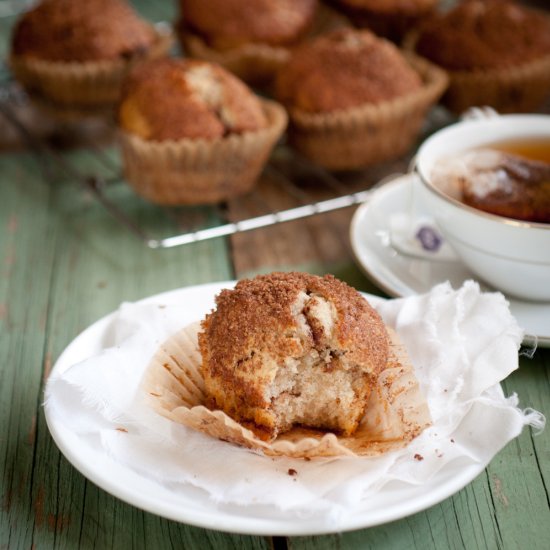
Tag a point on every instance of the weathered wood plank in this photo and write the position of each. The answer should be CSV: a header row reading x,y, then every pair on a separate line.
x,y
26,267
65,263
519,475
322,240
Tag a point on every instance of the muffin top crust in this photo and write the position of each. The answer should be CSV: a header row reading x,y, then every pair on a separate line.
x,y
260,314
226,24
344,69
485,34
175,99
76,30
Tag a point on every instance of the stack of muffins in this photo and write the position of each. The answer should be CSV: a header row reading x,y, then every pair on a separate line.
x,y
193,132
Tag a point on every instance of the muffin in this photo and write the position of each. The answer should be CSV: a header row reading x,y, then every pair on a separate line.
x,y
388,18
354,99
193,133
290,364
289,349
251,39
75,54
496,53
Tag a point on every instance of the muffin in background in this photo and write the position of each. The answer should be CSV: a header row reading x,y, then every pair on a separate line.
x,y
193,133
75,54
354,99
388,18
496,53
251,39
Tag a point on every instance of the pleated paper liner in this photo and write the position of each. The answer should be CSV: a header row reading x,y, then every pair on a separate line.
x,y
73,89
255,63
521,88
396,412
370,133
196,171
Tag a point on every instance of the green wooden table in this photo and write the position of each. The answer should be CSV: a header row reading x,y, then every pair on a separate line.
x,y
64,262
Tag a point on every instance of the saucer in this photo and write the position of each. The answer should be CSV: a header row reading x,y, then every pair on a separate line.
x,y
400,273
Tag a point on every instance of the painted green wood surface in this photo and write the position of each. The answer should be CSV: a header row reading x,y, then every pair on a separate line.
x,y
59,272
63,264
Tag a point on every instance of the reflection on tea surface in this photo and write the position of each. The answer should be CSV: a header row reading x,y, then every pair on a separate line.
x,y
510,179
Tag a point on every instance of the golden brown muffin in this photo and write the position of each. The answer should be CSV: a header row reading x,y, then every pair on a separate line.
x,y
485,34
251,39
72,30
345,69
226,24
76,53
354,99
497,53
388,18
291,349
177,99
193,133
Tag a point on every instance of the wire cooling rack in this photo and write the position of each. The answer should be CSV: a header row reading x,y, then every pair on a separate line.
x,y
307,189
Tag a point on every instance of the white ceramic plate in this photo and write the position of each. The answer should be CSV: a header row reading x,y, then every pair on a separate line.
x,y
400,274
193,505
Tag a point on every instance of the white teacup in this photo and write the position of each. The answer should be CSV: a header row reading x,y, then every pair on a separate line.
x,y
511,255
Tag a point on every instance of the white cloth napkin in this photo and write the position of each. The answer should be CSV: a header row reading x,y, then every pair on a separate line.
x,y
462,343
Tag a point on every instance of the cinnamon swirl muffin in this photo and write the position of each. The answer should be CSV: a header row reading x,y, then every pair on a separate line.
x,y
496,53
251,39
354,99
193,133
289,349
75,53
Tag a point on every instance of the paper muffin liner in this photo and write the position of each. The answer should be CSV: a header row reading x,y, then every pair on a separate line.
x,y
198,171
370,133
522,88
254,63
80,88
396,412
517,89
